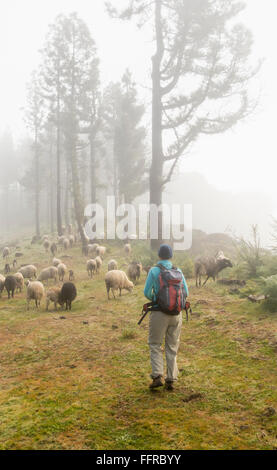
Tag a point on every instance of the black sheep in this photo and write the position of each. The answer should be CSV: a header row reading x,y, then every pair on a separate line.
x,y
67,295
10,285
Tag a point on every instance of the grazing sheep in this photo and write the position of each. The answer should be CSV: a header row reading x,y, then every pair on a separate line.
x,y
10,285
100,251
92,248
56,262
6,252
28,271
71,276
61,271
117,280
46,244
52,295
19,281
14,263
7,268
66,243
35,291
48,273
2,284
35,239
146,269
211,267
112,265
71,240
134,271
91,267
61,239
67,295
53,248
127,249
99,263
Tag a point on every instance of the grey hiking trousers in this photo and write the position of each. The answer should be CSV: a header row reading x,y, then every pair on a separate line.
x,y
169,327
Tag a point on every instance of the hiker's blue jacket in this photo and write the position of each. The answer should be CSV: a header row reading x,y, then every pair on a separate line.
x,y
152,284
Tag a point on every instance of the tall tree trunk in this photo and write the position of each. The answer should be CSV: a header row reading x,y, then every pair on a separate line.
x,y
59,213
37,188
51,189
76,192
66,195
156,172
115,178
7,210
92,171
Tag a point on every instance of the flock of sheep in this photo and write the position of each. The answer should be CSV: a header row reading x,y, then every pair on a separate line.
x,y
115,279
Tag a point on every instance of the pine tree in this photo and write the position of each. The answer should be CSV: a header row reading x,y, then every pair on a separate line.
x,y
200,76
124,119
35,120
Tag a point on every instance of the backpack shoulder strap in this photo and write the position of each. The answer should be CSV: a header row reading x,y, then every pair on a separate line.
x,y
161,267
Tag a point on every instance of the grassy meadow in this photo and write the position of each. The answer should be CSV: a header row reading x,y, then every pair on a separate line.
x,y
79,379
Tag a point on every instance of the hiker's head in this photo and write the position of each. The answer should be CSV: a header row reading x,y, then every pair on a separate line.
x,y
165,252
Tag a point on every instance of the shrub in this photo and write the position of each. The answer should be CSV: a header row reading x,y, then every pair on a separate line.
x,y
269,267
270,290
188,268
250,253
128,333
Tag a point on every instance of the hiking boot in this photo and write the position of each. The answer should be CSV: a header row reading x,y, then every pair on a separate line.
x,y
157,382
169,386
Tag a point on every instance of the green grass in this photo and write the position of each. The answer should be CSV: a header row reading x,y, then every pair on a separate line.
x,y
82,382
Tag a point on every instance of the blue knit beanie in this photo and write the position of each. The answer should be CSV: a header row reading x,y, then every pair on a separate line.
x,y
165,252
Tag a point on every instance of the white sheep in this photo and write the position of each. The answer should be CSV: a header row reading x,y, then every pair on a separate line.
x,y
92,248
61,239
28,272
48,273
117,280
91,267
127,249
98,264
2,284
19,281
56,262
61,271
46,244
71,240
112,265
35,291
100,251
66,243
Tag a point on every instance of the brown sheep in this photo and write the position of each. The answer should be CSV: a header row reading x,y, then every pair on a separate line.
x,y
91,267
52,295
134,271
211,267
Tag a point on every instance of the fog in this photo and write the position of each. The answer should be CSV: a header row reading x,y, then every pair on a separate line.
x,y
239,163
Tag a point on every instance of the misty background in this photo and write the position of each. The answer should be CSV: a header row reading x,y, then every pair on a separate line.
x,y
229,178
